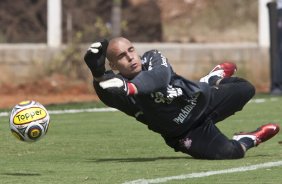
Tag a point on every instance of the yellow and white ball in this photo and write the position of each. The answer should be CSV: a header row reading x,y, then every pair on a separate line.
x,y
29,121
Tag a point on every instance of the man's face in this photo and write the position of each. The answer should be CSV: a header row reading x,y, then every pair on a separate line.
x,y
124,58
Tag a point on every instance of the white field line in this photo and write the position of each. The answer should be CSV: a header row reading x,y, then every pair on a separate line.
x,y
262,100
205,174
71,111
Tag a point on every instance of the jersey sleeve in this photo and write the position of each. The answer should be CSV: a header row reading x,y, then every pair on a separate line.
x,y
155,75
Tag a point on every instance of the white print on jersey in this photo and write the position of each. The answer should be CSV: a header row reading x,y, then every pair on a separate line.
x,y
150,67
164,63
171,93
185,111
144,61
150,64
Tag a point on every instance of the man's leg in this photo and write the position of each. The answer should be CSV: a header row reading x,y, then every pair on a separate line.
x,y
228,97
207,142
229,94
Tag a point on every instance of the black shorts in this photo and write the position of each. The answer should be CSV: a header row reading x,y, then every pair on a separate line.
x,y
206,141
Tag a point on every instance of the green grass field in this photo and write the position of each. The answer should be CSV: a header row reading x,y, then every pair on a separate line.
x,y
109,147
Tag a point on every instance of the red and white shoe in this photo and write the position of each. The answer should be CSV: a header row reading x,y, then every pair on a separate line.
x,y
223,70
262,134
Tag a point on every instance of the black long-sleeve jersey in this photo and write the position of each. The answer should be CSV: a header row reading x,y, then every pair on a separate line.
x,y
166,102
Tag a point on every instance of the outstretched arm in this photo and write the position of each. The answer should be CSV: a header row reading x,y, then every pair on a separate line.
x,y
155,76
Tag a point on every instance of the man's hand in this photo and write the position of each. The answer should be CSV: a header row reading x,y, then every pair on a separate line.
x,y
118,85
95,58
94,47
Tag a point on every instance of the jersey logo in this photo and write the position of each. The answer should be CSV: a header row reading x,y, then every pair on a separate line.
x,y
171,93
186,143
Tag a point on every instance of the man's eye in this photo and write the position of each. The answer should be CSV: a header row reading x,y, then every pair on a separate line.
x,y
121,56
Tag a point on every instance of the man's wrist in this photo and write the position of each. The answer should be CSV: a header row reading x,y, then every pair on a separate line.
x,y
132,90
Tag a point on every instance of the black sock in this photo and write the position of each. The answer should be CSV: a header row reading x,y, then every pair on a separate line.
x,y
247,142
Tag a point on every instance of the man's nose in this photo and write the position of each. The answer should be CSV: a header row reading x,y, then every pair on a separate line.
x,y
129,57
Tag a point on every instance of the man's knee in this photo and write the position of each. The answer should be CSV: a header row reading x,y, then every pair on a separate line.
x,y
248,91
242,87
243,93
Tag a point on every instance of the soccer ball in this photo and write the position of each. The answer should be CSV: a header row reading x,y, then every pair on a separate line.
x,y
29,121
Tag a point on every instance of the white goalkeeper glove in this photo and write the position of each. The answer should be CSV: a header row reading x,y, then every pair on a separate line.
x,y
118,85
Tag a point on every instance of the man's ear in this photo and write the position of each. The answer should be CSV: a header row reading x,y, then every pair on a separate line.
x,y
112,65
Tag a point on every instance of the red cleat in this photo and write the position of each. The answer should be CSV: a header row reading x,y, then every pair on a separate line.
x,y
262,134
223,70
